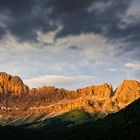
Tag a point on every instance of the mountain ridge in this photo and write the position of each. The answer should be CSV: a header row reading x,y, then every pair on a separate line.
x,y
18,101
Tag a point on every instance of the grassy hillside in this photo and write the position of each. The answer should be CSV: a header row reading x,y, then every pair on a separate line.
x,y
71,118
77,116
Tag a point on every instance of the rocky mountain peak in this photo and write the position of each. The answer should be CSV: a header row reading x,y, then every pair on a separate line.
x,y
127,92
12,85
102,91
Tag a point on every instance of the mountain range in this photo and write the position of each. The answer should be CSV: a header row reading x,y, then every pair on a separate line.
x,y
50,109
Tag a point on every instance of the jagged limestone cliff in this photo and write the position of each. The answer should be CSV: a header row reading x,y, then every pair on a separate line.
x,y
17,101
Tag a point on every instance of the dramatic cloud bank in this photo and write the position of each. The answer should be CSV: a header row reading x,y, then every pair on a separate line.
x,y
99,38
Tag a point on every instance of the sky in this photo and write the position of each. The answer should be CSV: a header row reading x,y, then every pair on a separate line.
x,y
70,43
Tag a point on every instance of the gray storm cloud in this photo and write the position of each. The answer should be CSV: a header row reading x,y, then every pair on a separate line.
x,y
70,38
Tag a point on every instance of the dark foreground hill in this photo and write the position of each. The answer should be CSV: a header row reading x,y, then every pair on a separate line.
x,y
122,125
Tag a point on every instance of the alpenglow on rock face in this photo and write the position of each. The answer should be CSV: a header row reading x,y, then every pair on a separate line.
x,y
98,100
126,93
12,85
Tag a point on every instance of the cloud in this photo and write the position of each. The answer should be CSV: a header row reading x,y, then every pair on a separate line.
x,y
84,46
134,66
99,6
27,17
27,59
131,16
70,6
133,70
48,38
40,21
10,42
61,81
113,69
